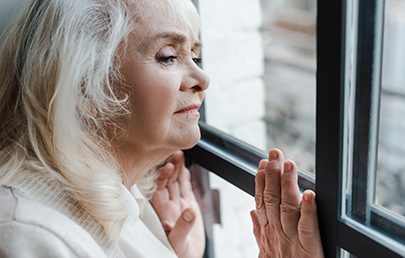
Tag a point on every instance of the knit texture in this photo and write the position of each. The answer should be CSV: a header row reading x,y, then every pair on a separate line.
x,y
52,194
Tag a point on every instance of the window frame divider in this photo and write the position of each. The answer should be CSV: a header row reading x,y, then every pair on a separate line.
x,y
234,160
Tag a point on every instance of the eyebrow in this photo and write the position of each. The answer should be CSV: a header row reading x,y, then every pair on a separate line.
x,y
177,38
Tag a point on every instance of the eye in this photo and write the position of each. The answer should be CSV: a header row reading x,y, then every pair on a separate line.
x,y
167,59
198,61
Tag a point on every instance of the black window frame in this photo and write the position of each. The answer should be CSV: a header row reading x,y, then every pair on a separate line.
x,y
236,161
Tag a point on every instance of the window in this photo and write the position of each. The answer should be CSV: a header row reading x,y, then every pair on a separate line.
x,y
359,102
261,57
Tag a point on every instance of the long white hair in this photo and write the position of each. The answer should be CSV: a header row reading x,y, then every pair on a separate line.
x,y
57,59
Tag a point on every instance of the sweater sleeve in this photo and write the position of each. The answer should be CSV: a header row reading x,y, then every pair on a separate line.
x,y
18,240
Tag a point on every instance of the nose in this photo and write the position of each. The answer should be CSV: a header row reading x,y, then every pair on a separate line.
x,y
195,79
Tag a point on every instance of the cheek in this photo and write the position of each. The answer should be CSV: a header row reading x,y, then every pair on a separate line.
x,y
153,103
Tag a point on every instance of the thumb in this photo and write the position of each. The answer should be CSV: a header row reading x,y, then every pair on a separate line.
x,y
178,235
308,231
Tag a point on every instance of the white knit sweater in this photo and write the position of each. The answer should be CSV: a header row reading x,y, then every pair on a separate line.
x,y
38,218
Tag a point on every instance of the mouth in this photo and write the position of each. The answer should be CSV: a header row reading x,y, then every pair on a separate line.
x,y
189,110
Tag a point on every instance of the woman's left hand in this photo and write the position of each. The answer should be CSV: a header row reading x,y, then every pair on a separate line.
x,y
283,225
178,210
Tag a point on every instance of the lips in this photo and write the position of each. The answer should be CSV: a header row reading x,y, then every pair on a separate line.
x,y
189,109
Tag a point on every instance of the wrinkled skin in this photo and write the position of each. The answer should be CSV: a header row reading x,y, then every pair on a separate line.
x,y
283,225
174,198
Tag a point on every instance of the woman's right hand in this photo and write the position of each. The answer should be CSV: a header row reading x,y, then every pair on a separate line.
x,y
284,226
178,209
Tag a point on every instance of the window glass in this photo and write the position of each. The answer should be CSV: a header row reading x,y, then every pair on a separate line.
x,y
233,237
375,118
260,55
346,254
390,185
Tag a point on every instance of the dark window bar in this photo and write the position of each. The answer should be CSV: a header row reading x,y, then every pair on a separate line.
x,y
361,244
388,221
364,89
234,160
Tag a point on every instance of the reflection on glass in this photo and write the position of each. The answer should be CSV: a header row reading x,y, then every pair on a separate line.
x,y
288,33
260,56
346,254
390,186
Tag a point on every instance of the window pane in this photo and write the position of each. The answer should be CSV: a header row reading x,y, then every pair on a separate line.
x,y
260,56
390,186
374,121
234,236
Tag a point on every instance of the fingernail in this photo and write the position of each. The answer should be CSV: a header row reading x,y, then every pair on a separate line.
x,y
273,155
307,196
188,215
262,163
287,167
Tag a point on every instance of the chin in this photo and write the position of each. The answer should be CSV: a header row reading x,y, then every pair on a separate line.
x,y
192,138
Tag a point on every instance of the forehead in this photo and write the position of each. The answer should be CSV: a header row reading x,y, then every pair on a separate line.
x,y
155,21
150,13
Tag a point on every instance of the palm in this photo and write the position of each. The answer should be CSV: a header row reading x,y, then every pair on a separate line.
x,y
173,196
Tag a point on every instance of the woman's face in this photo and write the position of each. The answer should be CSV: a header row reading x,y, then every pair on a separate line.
x,y
165,83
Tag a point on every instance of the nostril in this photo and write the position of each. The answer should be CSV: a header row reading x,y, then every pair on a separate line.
x,y
196,88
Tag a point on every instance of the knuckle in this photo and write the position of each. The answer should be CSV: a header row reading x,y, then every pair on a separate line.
x,y
289,208
288,181
259,201
274,166
271,198
305,230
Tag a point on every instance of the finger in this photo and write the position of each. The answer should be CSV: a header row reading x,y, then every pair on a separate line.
x,y
262,164
178,161
174,190
181,229
165,172
308,231
185,184
260,207
290,199
272,189
256,225
160,197
167,228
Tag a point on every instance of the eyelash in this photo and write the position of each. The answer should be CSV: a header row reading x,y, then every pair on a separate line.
x,y
198,61
170,59
167,59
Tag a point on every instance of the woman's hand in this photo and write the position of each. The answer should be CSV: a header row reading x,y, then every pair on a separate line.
x,y
178,210
283,226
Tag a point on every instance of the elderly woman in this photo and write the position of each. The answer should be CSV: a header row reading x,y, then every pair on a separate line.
x,y
93,95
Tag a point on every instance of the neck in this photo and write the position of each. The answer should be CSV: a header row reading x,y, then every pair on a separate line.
x,y
135,163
